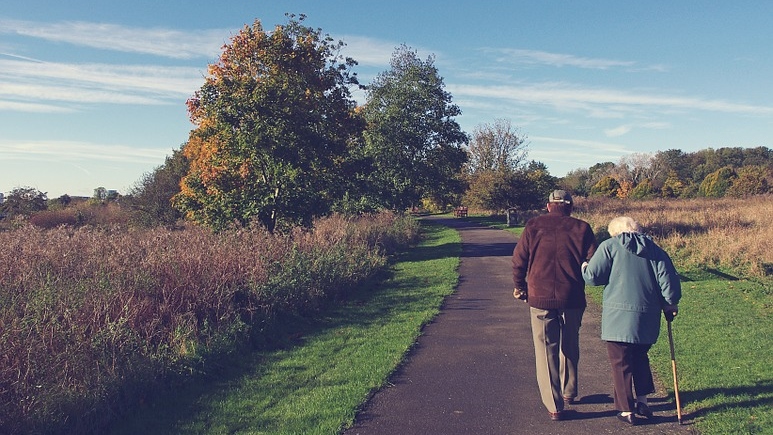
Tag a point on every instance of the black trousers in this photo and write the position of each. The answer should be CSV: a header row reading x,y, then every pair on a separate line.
x,y
630,368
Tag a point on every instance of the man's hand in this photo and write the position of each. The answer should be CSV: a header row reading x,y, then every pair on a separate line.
x,y
670,311
520,294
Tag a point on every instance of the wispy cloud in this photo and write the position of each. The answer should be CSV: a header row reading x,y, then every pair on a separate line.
x,y
569,97
515,56
154,41
627,128
559,59
368,51
28,84
79,151
606,147
575,153
17,106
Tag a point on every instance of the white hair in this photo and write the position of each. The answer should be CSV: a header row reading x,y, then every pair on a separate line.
x,y
623,224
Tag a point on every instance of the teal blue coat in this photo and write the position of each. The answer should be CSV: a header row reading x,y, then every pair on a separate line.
x,y
639,280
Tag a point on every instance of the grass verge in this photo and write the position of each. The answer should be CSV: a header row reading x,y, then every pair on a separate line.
x,y
327,368
723,339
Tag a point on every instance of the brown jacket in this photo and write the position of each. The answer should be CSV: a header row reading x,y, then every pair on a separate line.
x,y
548,256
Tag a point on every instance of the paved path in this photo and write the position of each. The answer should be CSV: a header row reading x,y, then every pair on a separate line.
x,y
472,370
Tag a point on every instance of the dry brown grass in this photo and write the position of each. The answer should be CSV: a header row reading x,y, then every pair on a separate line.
x,y
724,233
88,315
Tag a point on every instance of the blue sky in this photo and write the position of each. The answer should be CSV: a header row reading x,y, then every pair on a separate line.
x,y
92,93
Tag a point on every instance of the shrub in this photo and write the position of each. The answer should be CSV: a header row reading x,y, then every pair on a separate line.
x,y
92,317
717,183
607,186
751,180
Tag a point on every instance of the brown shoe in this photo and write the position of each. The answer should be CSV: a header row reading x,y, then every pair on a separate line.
x,y
556,416
569,400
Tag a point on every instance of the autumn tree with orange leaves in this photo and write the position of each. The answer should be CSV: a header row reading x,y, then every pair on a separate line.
x,y
274,123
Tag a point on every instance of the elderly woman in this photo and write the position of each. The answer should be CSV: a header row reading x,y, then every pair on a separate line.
x,y
640,281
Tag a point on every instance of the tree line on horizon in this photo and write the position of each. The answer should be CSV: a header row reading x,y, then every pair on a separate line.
x,y
709,173
279,141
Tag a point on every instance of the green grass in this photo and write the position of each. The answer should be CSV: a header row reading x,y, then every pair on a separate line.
x,y
723,340
329,366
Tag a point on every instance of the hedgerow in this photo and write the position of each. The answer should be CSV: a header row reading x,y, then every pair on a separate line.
x,y
93,319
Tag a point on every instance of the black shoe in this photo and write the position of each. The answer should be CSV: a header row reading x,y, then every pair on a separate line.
x,y
570,400
643,410
630,418
557,416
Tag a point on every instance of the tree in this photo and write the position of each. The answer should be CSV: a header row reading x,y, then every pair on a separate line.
x,y
703,163
495,166
717,183
733,157
274,120
496,147
59,203
412,143
151,198
525,188
607,186
641,166
643,190
673,186
759,156
23,201
100,194
599,171
532,197
751,180
577,182
65,200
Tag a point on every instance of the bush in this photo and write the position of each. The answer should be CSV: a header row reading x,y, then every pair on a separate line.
x,y
93,317
717,183
92,214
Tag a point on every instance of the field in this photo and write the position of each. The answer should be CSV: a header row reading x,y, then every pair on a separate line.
x,y
723,334
721,235
161,304
95,320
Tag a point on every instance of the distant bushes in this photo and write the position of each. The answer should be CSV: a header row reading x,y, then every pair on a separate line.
x,y
99,214
92,316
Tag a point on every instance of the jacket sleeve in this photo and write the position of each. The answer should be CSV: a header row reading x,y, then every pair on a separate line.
x,y
599,267
589,243
668,279
521,262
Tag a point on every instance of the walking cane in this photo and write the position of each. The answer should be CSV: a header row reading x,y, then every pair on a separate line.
x,y
673,369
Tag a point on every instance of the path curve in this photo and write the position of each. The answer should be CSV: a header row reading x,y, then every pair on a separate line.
x,y
472,369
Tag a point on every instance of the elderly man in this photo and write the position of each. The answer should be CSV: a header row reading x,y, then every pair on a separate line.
x,y
547,275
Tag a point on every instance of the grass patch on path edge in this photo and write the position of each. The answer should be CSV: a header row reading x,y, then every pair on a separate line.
x,y
330,366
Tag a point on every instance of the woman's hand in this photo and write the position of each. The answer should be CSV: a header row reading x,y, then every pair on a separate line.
x,y
670,311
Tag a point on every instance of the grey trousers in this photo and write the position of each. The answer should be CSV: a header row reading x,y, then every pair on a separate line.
x,y
556,335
